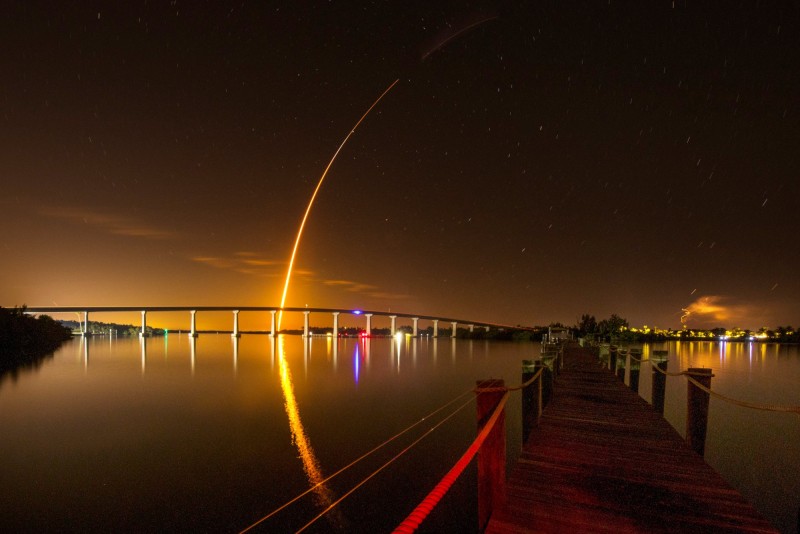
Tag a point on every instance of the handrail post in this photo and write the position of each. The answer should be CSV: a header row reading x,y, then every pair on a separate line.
x,y
697,409
659,385
492,454
531,397
612,358
623,363
635,369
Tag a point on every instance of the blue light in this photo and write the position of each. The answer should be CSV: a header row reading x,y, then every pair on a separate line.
x,y
357,312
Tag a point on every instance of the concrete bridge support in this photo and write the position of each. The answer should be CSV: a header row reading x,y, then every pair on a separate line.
x,y
85,328
471,328
193,328
435,328
305,323
143,333
272,327
455,327
415,321
393,328
369,324
235,332
335,326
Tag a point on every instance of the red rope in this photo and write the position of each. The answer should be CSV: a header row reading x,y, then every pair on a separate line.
x,y
415,518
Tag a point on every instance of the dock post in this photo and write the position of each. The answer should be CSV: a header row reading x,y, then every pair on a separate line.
x,y
531,397
492,454
635,369
659,385
697,408
622,362
548,376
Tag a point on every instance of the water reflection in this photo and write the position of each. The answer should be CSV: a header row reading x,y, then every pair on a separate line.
x,y
299,438
356,364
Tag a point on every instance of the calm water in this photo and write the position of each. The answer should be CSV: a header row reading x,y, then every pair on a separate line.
x,y
214,434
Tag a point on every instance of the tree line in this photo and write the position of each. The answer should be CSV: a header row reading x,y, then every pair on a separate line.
x,y
25,340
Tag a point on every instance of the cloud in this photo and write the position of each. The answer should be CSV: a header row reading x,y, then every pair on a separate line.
x,y
715,310
106,222
249,263
244,263
365,289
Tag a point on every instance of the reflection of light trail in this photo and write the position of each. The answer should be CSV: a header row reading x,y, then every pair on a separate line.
x,y
307,456
314,195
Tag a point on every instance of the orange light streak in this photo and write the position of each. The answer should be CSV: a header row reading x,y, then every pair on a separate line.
x,y
299,438
314,196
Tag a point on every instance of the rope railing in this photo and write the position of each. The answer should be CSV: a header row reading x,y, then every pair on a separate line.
x,y
382,467
731,400
496,389
744,404
367,454
424,508
421,512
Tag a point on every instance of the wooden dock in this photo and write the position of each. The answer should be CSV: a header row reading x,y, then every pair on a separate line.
x,y
602,460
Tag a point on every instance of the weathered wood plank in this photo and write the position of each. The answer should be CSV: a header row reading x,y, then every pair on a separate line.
x,y
602,460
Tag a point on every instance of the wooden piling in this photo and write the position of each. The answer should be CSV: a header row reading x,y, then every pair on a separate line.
x,y
635,368
531,397
659,385
633,381
697,409
491,455
620,370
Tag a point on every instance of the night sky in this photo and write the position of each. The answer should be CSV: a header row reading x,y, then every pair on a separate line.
x,y
535,161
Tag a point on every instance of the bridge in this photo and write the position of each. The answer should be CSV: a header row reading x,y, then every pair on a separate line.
x,y
235,310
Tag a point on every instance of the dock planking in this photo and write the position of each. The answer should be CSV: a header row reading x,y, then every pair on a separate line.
x,y
602,460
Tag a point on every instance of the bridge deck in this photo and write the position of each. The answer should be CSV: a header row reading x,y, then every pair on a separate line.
x,y
602,460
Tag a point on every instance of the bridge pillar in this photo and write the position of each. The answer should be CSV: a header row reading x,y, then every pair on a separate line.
x,y
85,329
435,328
143,333
193,328
455,326
471,328
335,326
415,321
487,328
369,324
235,332
305,323
393,328
272,327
